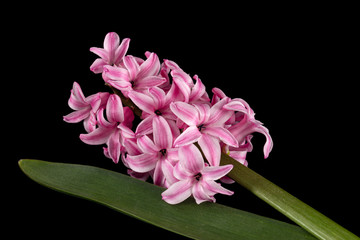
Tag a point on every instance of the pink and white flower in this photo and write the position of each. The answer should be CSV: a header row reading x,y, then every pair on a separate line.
x,y
112,53
85,108
134,76
158,154
195,178
153,102
108,131
181,134
247,124
205,126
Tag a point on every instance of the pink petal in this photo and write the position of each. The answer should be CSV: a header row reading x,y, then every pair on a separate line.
x,y
121,50
189,136
121,85
186,112
158,176
223,134
116,73
145,126
132,66
174,129
242,129
142,163
163,174
94,101
239,156
218,115
143,101
150,67
77,116
114,146
181,173
77,99
162,133
191,159
98,65
214,187
236,105
101,53
114,109
219,93
269,143
215,173
158,96
126,132
204,112
211,149
128,117
140,176
147,146
227,180
183,87
111,43
200,195
102,121
172,155
182,76
131,147
97,137
198,90
168,169
90,122
148,82
183,81
171,64
177,192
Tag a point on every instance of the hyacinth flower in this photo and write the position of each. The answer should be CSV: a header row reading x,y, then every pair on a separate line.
x,y
135,75
185,143
155,102
108,131
112,53
247,124
205,126
85,108
195,178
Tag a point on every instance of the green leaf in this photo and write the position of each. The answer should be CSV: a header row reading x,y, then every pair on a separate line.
x,y
143,201
311,220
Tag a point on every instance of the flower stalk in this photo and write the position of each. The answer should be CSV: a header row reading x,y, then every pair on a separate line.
x,y
305,216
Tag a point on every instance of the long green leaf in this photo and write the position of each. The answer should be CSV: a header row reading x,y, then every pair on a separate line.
x,y
313,221
127,195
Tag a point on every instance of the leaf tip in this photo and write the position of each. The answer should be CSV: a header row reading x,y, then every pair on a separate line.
x,y
21,163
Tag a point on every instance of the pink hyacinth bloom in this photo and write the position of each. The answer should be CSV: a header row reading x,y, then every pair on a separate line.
x,y
247,124
206,126
195,178
85,108
112,53
158,154
153,102
134,76
108,131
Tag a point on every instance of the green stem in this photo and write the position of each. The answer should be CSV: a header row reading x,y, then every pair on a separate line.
x,y
305,216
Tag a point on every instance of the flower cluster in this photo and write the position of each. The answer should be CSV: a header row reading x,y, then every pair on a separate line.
x,y
182,133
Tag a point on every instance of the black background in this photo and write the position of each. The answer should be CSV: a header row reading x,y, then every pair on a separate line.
x,y
293,67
